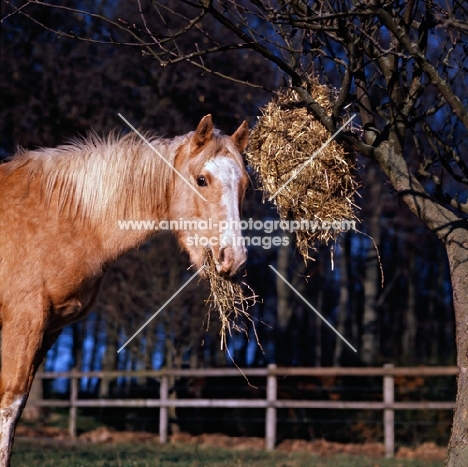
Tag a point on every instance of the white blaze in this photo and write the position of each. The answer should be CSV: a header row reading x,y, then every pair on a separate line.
x,y
228,172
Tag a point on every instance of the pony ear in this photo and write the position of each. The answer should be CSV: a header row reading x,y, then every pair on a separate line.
x,y
204,130
241,137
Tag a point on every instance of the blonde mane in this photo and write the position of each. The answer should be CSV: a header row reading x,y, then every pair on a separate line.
x,y
97,177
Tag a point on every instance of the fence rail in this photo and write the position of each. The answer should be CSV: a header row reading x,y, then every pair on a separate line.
x,y
271,403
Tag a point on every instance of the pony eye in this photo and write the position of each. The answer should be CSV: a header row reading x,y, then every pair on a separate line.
x,y
201,181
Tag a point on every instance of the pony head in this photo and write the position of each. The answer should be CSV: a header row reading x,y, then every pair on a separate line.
x,y
209,188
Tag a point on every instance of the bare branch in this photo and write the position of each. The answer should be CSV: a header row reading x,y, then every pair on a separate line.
x,y
412,48
222,19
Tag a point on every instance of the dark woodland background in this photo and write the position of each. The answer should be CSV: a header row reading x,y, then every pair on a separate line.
x,y
53,89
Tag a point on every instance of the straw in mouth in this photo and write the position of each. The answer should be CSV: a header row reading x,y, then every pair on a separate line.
x,y
231,299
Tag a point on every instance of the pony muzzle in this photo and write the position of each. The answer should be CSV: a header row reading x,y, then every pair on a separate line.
x,y
230,260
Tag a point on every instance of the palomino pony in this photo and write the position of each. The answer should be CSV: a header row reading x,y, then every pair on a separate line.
x,y
59,231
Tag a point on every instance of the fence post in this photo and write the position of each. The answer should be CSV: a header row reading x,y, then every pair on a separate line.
x,y
389,413
163,419
72,410
270,423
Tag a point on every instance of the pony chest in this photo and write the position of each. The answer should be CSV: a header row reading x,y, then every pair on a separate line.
x,y
75,306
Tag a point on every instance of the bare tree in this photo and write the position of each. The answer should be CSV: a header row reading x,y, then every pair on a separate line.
x,y
400,65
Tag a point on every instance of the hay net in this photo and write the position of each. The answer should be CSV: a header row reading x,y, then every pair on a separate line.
x,y
284,144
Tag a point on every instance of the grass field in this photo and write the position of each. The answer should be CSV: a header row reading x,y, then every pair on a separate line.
x,y
27,454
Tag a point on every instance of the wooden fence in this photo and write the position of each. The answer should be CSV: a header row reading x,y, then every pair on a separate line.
x,y
271,403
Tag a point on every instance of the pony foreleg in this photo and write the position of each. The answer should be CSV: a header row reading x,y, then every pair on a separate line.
x,y
21,356
9,415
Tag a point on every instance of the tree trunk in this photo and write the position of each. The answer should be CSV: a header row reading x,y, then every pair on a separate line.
x,y
370,338
36,394
109,357
171,360
409,330
453,232
319,300
79,334
457,249
284,307
343,305
95,330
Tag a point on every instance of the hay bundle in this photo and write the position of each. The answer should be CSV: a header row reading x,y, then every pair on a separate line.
x,y
282,144
228,297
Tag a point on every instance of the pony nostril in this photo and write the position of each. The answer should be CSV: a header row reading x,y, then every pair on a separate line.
x,y
221,255
229,263
225,260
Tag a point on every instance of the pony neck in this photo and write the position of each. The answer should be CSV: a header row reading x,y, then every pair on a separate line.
x,y
99,183
136,184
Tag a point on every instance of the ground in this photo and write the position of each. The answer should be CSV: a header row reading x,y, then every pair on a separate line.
x,y
424,452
